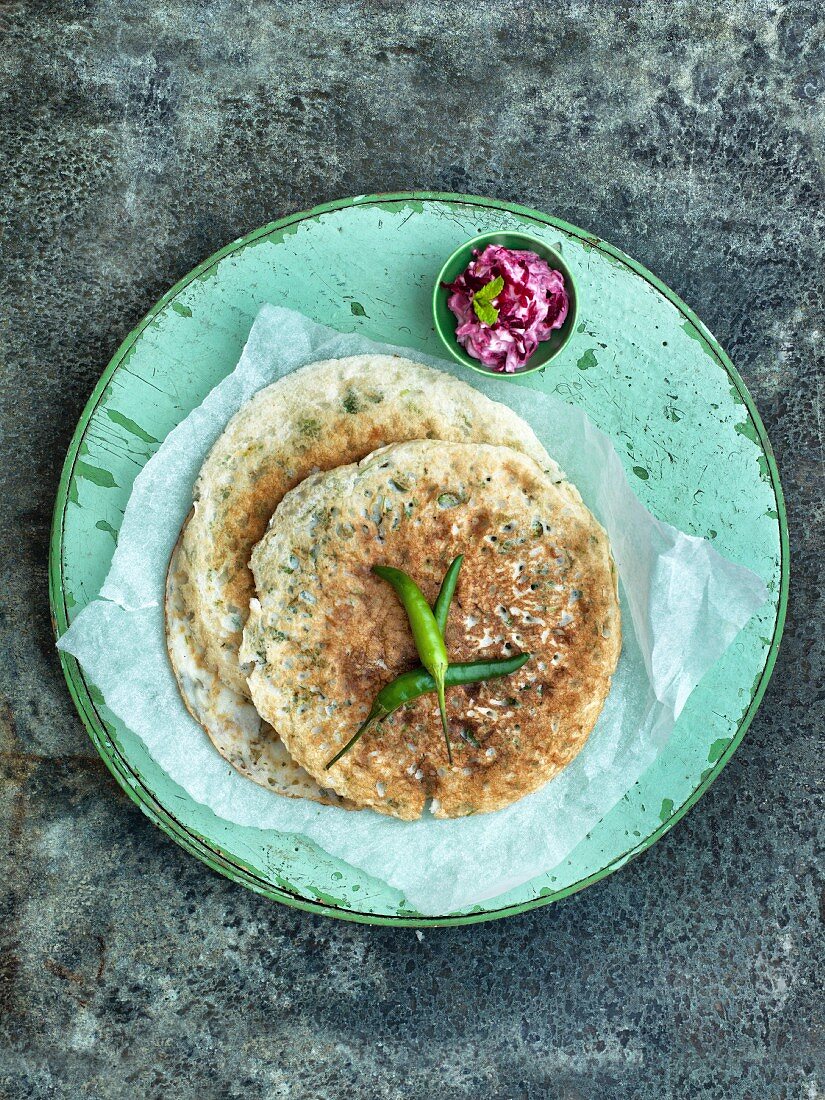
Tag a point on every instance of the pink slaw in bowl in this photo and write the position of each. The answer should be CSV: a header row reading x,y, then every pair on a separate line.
x,y
532,302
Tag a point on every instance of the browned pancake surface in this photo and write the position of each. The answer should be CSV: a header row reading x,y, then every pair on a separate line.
x,y
327,634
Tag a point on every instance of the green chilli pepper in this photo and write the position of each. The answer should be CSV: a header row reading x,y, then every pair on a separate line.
x,y
412,685
429,640
441,608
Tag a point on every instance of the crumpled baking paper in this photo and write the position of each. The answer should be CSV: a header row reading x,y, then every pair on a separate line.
x,y
682,605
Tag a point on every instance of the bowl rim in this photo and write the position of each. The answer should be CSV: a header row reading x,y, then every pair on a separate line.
x,y
568,327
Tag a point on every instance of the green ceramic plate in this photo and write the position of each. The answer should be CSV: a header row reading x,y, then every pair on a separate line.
x,y
640,363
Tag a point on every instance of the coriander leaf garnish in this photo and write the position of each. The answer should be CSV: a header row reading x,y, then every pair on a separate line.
x,y
483,301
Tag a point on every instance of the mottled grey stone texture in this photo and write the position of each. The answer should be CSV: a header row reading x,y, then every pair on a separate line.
x,y
137,139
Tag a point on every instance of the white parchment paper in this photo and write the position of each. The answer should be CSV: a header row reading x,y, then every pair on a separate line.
x,y
682,605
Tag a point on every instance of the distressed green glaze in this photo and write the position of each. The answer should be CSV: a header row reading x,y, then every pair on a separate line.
x,y
639,362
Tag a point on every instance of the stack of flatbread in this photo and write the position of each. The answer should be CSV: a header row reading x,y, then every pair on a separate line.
x,y
280,635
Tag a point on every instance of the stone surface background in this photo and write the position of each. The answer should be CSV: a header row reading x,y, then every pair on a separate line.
x,y
138,138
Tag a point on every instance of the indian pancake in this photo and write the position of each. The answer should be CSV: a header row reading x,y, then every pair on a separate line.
x,y
325,634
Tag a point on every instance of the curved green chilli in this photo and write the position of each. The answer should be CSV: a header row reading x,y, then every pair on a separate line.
x,y
441,608
412,685
429,640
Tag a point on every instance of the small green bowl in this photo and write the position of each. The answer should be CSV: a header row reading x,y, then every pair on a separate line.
x,y
446,321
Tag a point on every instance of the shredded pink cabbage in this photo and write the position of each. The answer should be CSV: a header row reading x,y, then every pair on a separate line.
x,y
532,304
